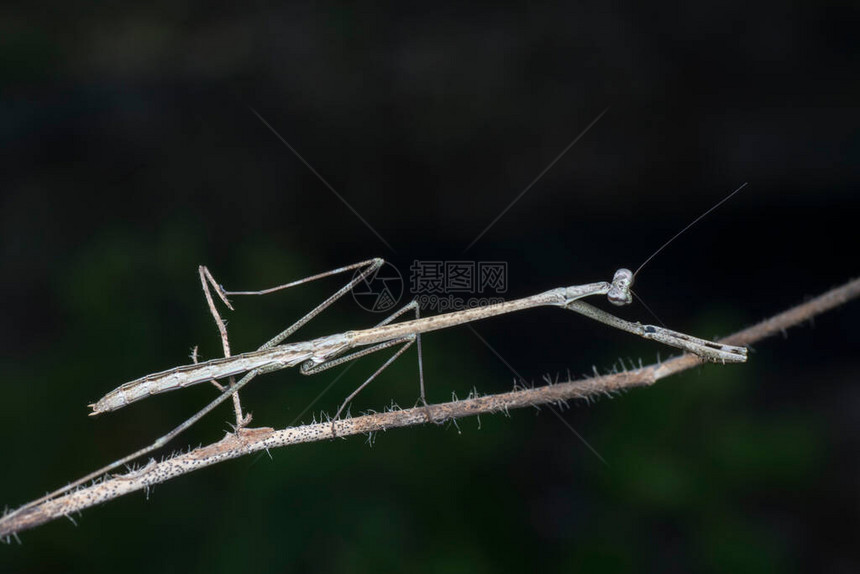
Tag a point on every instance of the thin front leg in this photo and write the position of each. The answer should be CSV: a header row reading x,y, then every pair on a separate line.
x,y
707,350
206,279
371,267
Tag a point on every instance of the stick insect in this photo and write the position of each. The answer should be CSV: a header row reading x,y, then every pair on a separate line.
x,y
326,352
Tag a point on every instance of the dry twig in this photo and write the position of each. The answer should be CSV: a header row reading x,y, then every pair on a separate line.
x,y
247,441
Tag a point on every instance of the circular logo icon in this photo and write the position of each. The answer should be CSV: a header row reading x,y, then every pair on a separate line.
x,y
380,291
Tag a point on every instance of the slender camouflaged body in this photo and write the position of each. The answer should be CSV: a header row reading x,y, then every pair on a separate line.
x,y
281,357
320,350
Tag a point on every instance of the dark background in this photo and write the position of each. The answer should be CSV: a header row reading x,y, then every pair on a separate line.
x,y
131,155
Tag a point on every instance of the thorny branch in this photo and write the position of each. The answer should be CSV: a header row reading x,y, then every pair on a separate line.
x,y
247,441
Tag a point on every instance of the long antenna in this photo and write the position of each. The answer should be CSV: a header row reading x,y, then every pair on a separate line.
x,y
695,221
